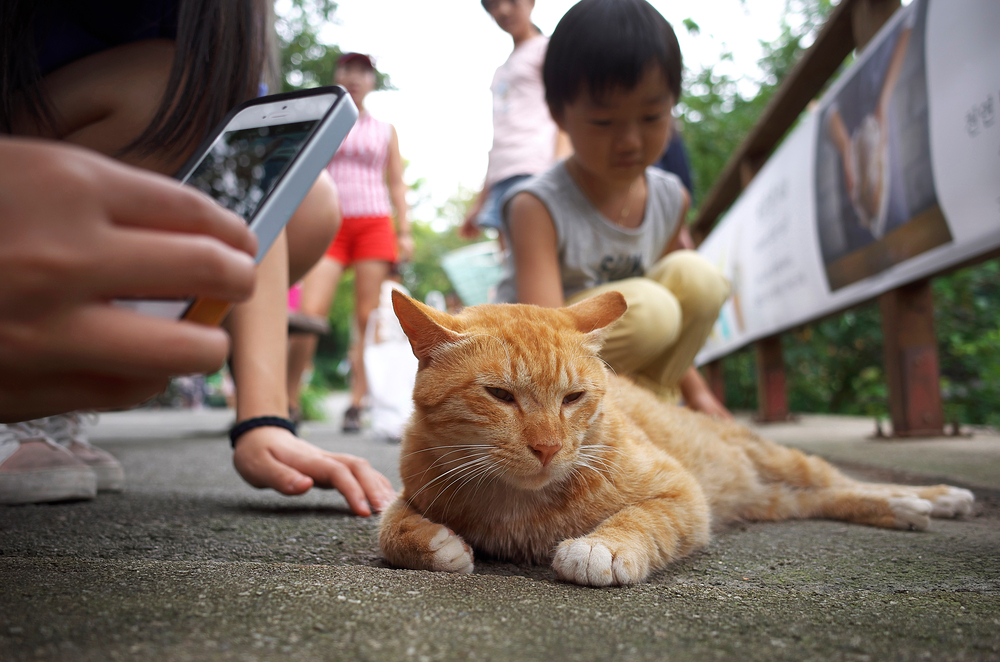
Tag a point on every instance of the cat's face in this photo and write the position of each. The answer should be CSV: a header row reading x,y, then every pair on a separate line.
x,y
509,393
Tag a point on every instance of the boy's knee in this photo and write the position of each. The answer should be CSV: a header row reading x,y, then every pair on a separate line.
x,y
698,285
653,318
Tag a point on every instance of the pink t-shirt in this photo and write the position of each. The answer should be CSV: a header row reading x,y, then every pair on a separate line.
x,y
524,135
358,169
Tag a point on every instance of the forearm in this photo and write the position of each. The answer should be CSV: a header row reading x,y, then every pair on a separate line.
x,y
699,397
398,196
259,330
693,385
838,133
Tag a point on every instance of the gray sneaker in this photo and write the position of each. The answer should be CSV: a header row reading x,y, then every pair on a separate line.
x,y
35,469
67,431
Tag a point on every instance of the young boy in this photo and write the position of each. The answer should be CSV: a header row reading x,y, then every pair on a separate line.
x,y
603,218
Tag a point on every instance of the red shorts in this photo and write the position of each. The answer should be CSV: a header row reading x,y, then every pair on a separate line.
x,y
364,238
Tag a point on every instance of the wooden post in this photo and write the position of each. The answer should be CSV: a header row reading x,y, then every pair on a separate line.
x,y
911,361
772,394
772,397
715,376
911,358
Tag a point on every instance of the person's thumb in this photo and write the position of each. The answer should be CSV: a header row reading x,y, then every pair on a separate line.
x,y
270,472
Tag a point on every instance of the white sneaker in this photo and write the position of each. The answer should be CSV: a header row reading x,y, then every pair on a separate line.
x,y
67,431
35,469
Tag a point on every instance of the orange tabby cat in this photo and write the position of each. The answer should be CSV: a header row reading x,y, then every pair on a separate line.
x,y
523,446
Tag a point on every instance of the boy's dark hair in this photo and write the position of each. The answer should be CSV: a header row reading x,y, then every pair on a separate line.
x,y
601,45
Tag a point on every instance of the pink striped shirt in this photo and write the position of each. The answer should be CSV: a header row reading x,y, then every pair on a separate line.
x,y
358,168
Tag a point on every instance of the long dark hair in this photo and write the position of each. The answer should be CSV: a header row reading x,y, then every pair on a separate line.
x,y
224,51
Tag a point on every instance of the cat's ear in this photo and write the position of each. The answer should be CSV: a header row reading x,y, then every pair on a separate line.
x,y
426,327
598,312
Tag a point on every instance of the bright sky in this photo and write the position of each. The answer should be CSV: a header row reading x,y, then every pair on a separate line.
x,y
441,55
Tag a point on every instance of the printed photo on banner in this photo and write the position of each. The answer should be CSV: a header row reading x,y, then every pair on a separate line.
x,y
876,201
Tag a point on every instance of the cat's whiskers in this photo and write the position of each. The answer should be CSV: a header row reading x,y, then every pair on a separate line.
x,y
436,448
593,457
483,460
494,471
592,356
459,448
470,472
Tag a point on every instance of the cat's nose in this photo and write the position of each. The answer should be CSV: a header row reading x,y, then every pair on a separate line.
x,y
544,452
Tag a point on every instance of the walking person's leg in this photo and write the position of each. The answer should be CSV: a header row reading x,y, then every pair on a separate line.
x,y
318,290
368,277
310,233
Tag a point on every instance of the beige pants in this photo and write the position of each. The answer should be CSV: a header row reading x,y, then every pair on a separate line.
x,y
670,313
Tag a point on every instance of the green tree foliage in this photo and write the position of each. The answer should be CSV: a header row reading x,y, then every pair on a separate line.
x,y
305,60
424,273
967,323
832,366
718,110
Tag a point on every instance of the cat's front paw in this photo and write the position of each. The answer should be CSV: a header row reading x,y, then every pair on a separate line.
x,y
409,540
449,553
591,562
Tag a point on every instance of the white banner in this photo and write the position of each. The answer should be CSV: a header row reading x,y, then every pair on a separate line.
x,y
894,177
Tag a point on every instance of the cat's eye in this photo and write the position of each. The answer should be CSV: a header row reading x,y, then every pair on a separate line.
x,y
500,394
572,397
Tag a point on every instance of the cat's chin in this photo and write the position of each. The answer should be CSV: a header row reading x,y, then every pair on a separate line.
x,y
534,482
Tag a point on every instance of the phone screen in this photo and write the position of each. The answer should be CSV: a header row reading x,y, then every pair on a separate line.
x,y
242,166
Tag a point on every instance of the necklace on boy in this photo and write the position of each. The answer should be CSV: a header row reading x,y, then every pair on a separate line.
x,y
628,202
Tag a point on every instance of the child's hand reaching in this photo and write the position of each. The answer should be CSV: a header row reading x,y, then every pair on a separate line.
x,y
274,457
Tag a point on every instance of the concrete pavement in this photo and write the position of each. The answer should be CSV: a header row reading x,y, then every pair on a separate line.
x,y
190,563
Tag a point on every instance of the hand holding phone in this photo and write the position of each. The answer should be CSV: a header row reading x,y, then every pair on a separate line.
x,y
260,163
79,229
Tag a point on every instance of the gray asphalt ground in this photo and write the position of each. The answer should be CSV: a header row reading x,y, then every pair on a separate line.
x,y
190,563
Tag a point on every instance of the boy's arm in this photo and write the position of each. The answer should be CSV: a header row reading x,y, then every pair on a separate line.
x,y
469,228
535,253
699,397
681,237
694,388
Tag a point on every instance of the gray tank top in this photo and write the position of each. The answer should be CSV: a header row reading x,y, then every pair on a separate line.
x,y
592,250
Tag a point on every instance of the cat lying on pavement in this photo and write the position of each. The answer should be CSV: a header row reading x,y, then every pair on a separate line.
x,y
524,446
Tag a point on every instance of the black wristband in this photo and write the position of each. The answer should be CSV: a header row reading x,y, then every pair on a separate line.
x,y
243,427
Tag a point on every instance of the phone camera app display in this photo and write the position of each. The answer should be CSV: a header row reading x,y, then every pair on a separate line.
x,y
242,166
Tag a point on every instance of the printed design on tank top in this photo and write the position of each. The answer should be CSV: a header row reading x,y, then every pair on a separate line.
x,y
619,267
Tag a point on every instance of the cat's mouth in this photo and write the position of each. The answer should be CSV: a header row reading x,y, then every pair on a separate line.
x,y
536,480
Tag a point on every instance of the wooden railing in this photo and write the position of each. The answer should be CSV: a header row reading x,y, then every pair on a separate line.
x,y
912,368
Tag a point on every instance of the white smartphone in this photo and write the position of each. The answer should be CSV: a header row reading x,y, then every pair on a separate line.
x,y
260,162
